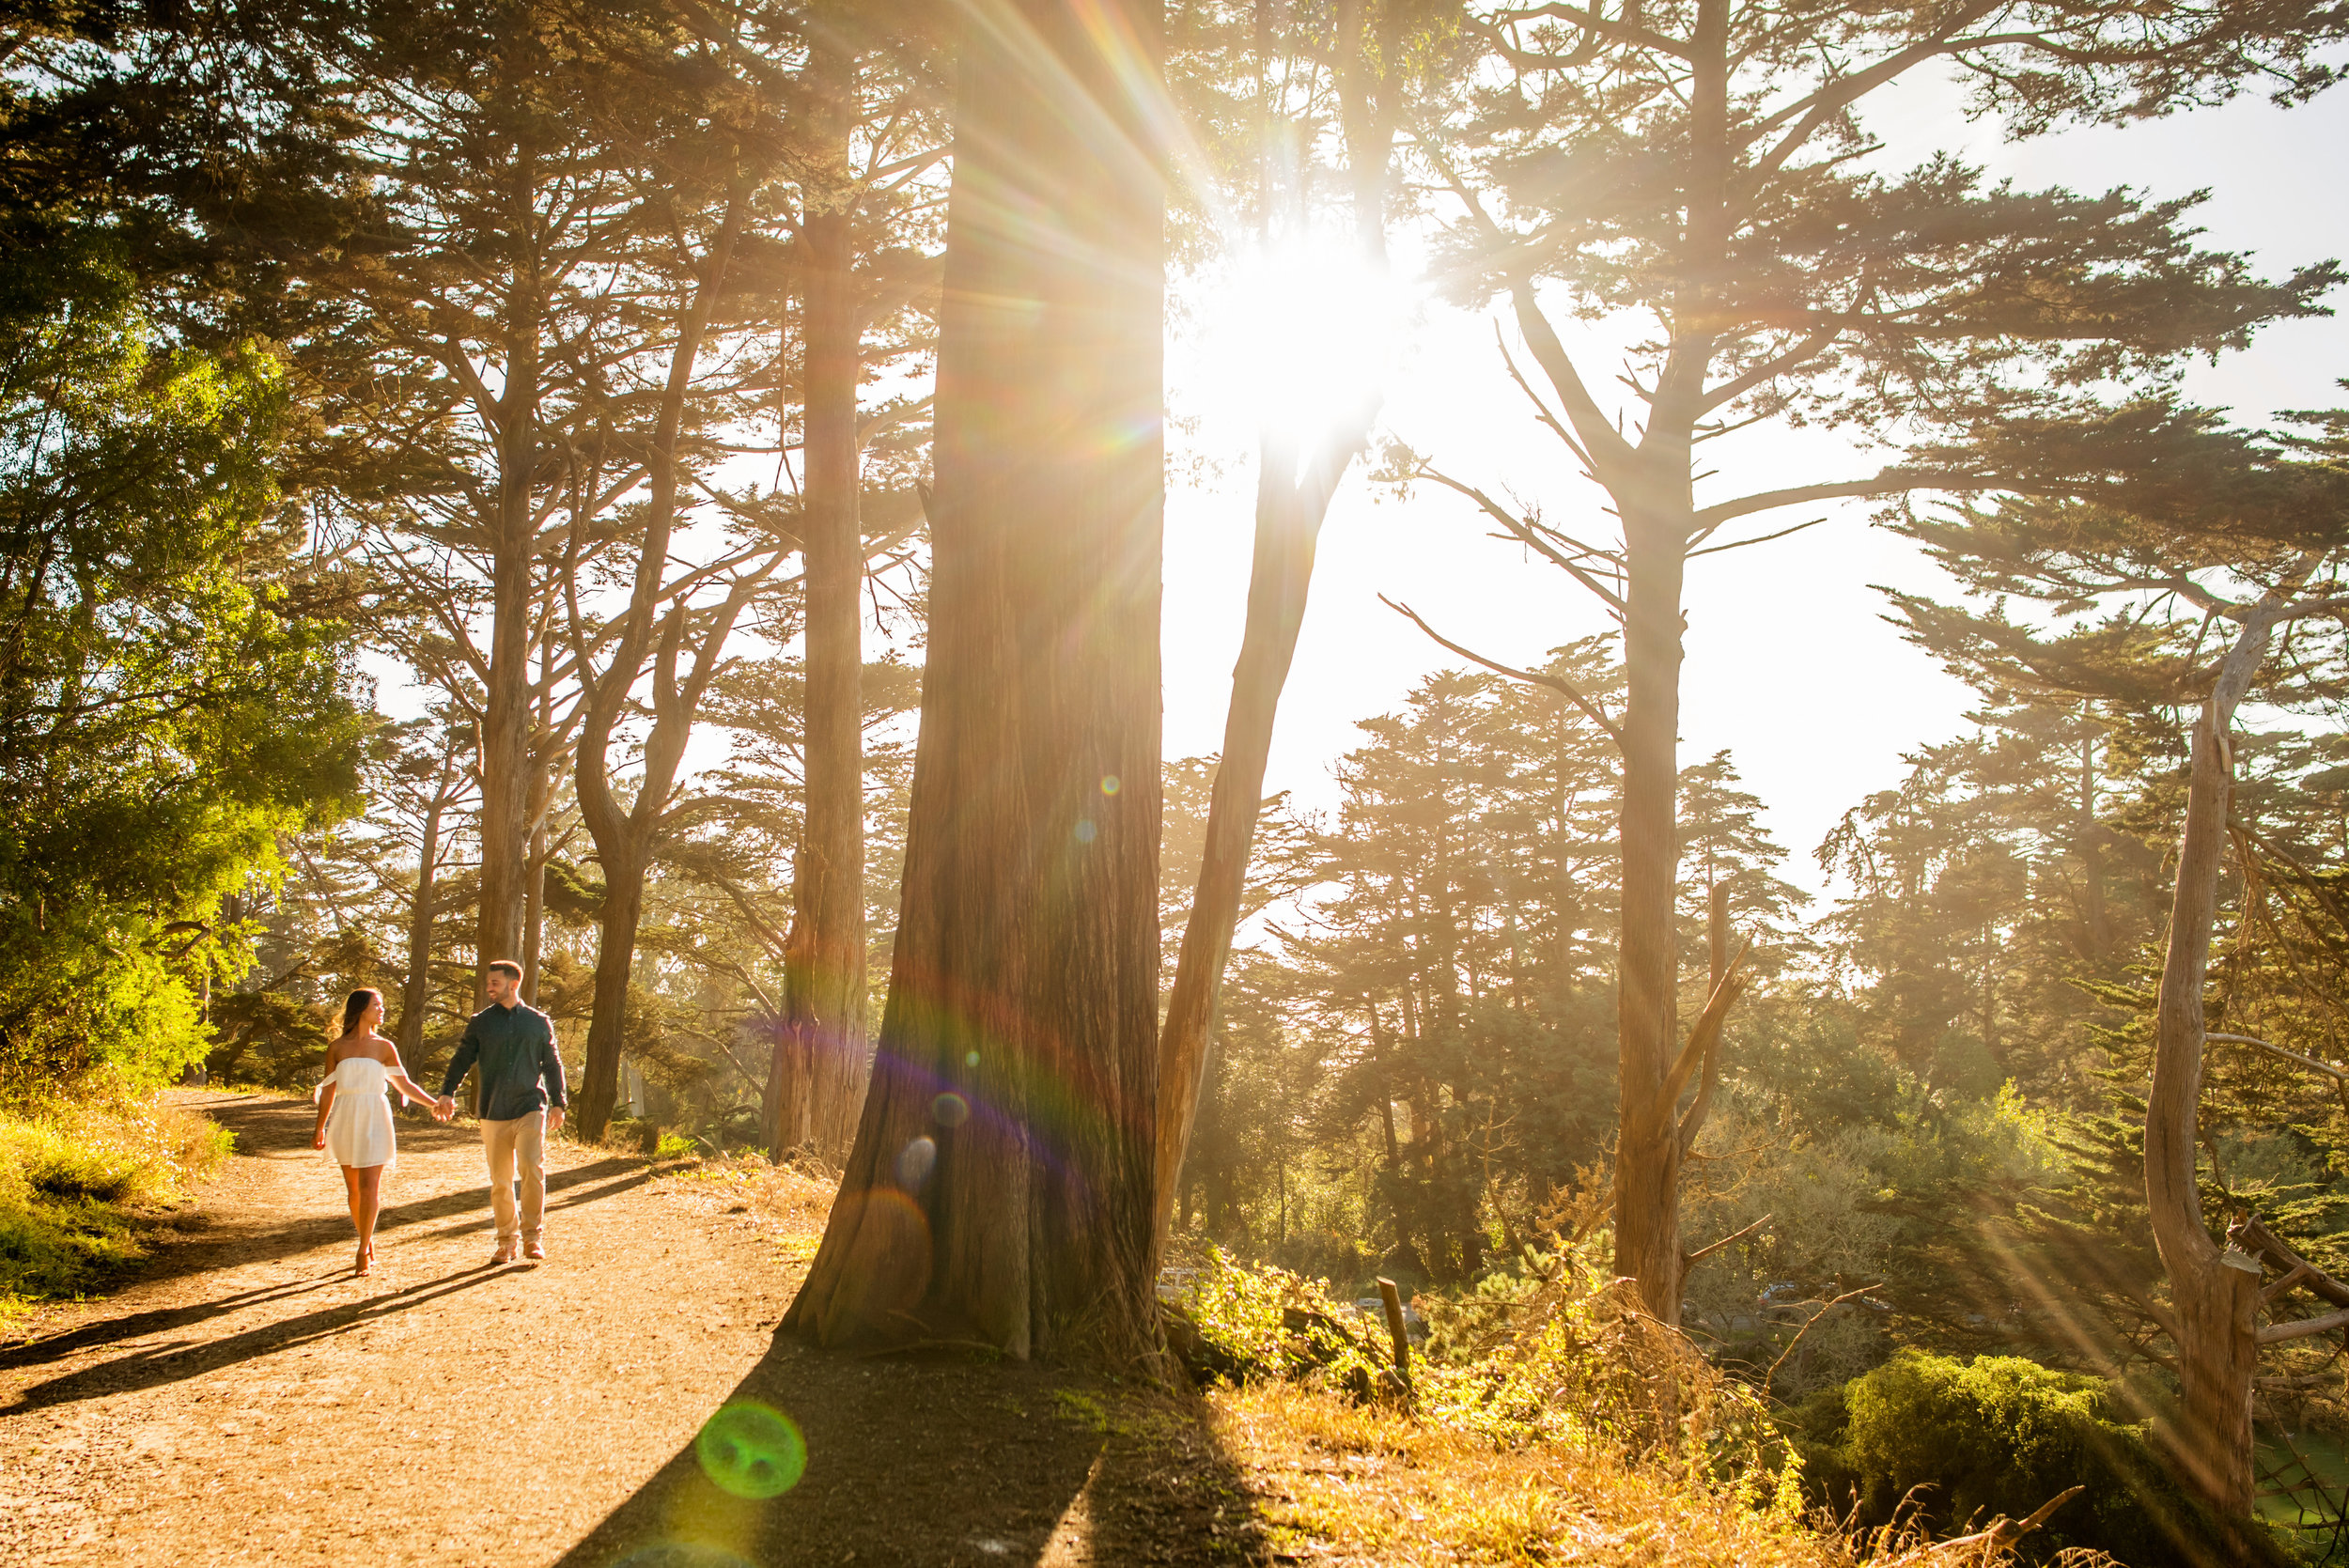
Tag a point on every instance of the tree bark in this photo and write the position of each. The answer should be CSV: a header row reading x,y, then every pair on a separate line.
x,y
535,903
2213,1299
1001,1186
1289,513
417,993
1647,1148
506,761
1290,509
1658,518
822,1084
625,839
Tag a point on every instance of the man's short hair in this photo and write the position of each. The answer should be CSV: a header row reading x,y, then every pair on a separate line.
x,y
506,965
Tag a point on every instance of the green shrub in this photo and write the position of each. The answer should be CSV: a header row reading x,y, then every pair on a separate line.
x,y
73,1179
1960,1443
1266,1322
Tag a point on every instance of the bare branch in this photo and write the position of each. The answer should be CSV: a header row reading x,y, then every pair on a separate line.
x,y
1530,677
1712,1247
1760,540
1526,534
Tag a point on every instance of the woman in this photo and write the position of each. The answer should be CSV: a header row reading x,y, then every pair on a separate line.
x,y
354,1121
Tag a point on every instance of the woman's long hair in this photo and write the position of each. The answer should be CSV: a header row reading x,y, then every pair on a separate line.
x,y
356,1007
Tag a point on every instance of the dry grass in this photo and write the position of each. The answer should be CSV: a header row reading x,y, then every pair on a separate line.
x,y
785,1204
1369,1485
1344,1484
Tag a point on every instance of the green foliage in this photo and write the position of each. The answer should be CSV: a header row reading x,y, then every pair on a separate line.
x,y
1271,1323
167,707
270,1038
1963,1442
1432,1051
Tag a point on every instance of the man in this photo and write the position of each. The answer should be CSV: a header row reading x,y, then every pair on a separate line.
x,y
521,1101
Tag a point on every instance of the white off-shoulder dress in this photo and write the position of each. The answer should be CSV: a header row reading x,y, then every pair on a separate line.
x,y
359,1124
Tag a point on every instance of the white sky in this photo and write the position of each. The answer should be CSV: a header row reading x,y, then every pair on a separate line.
x,y
1789,665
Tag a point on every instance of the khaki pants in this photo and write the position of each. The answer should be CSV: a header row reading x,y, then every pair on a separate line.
x,y
524,1142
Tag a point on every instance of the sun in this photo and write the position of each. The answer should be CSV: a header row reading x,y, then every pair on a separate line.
x,y
1298,339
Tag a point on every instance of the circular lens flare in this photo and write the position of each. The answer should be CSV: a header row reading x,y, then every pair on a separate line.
x,y
749,1450
914,1162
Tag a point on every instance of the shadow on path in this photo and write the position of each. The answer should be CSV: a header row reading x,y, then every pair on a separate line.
x,y
172,1362
276,1127
922,1460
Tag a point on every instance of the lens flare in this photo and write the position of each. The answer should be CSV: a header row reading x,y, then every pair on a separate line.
x,y
752,1450
914,1162
1108,784
1302,335
1085,831
950,1109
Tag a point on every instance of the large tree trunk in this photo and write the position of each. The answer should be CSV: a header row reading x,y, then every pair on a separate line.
x,y
1647,1149
2214,1295
820,1056
506,762
625,839
598,1088
1001,1184
1657,521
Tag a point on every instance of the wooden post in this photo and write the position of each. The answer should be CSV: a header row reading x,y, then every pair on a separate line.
x,y
1393,1300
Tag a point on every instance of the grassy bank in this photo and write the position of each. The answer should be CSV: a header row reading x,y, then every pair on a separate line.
x,y
79,1182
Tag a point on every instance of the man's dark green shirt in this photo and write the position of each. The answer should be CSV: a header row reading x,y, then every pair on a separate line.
x,y
515,1047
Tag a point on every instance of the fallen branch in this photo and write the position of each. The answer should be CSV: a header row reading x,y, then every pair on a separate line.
x,y
2262,1243
2005,1532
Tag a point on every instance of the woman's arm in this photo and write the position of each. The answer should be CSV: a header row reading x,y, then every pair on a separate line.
x,y
326,1103
408,1086
410,1090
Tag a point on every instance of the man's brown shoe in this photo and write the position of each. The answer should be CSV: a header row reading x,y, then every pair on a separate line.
x,y
503,1254
533,1249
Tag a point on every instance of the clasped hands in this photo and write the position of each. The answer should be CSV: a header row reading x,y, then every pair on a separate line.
x,y
444,1108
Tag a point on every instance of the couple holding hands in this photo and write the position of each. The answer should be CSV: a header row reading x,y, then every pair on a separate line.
x,y
521,1101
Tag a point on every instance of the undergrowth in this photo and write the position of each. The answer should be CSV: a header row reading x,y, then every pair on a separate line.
x,y
76,1178
1552,1421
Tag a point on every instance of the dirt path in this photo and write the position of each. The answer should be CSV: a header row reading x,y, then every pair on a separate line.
x,y
245,1400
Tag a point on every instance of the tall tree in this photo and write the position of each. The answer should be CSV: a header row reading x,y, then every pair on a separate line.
x,y
2212,530
1697,163
439,784
1378,56
1000,1182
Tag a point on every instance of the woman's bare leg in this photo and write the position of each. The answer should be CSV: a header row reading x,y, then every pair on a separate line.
x,y
370,1207
360,1222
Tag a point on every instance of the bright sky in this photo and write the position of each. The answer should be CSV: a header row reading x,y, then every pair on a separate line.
x,y
1790,665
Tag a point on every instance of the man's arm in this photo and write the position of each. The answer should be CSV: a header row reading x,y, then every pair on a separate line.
x,y
550,1068
467,1054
